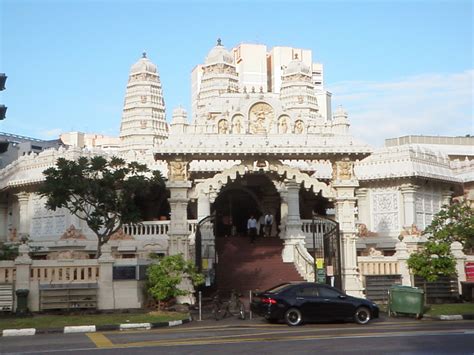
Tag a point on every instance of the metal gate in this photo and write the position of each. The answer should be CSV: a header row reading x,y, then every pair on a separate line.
x,y
327,246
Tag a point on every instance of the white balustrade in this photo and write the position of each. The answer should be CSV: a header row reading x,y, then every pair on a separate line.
x,y
382,265
74,271
192,224
147,229
7,272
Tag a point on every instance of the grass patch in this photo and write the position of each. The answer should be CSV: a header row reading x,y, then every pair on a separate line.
x,y
41,321
450,309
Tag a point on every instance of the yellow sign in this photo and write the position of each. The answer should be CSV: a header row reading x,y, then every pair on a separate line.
x,y
205,264
319,263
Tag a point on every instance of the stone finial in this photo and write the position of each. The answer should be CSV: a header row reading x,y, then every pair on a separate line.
x,y
219,42
296,56
144,54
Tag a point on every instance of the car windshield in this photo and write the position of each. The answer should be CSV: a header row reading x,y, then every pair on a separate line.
x,y
278,288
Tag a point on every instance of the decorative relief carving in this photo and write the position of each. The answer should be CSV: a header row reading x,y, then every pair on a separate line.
x,y
121,235
385,210
343,170
261,118
72,233
67,254
374,252
237,124
177,170
283,124
363,231
222,127
410,231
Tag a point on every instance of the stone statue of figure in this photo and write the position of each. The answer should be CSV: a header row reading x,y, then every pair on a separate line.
x,y
177,171
236,127
299,127
222,127
283,127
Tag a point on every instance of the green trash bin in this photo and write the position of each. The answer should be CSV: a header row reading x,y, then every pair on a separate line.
x,y
406,300
22,302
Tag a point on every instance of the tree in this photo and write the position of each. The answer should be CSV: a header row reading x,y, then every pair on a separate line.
x,y
452,223
101,192
164,277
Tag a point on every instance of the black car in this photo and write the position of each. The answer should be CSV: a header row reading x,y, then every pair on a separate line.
x,y
300,302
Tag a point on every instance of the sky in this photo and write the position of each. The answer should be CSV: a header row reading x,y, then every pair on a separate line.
x,y
398,67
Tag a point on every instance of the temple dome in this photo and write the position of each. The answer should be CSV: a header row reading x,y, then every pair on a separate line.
x,y
219,54
143,65
296,66
179,116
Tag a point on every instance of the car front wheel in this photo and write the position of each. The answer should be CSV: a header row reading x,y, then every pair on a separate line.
x,y
293,317
362,315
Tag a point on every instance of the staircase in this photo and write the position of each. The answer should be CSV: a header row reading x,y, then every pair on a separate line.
x,y
244,266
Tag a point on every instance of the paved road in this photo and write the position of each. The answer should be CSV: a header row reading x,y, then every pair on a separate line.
x,y
392,336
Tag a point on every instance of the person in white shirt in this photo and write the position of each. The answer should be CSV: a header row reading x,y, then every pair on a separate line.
x,y
268,224
252,228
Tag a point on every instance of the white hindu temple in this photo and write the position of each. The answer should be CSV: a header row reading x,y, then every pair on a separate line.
x,y
262,136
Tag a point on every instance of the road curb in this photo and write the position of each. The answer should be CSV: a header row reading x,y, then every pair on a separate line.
x,y
91,328
451,317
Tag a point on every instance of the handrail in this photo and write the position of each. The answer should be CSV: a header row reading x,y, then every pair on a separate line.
x,y
304,262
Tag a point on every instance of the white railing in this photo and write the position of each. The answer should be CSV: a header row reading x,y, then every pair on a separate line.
x,y
321,227
76,271
303,262
192,224
7,272
379,265
147,229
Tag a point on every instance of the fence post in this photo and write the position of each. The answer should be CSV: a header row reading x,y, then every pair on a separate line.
x,y
23,265
200,305
402,257
456,250
250,304
106,295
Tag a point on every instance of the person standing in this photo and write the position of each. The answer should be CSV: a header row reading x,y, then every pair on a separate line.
x,y
268,224
252,228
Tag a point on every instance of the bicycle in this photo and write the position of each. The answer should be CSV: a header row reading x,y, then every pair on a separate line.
x,y
233,307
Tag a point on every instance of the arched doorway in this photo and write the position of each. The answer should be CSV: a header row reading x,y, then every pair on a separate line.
x,y
251,194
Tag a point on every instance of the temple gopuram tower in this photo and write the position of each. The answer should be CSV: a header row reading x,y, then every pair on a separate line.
x,y
143,120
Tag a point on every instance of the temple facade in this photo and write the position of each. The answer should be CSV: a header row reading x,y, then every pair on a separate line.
x,y
262,137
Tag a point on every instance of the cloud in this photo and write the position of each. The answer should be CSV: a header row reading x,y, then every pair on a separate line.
x,y
428,104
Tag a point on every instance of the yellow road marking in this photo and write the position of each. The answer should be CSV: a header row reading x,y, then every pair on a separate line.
x,y
100,340
239,339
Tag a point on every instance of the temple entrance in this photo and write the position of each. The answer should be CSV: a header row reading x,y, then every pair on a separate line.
x,y
252,194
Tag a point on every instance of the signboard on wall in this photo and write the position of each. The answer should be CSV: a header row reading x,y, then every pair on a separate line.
x,y
469,271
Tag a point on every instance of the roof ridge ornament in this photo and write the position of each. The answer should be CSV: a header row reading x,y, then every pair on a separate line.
x,y
144,54
219,42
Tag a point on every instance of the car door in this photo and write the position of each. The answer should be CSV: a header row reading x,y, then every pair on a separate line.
x,y
336,304
308,301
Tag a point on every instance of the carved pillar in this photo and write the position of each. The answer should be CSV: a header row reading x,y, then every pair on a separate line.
x,y
293,233
178,233
363,206
345,184
293,224
24,218
409,208
3,222
283,212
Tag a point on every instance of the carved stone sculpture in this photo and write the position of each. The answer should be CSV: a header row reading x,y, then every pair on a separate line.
x,y
177,170
72,233
121,235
